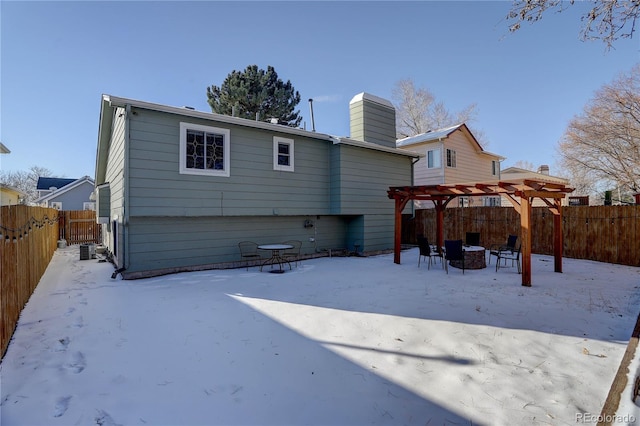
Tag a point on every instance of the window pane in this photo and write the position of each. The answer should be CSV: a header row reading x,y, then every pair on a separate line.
x,y
283,154
195,149
215,151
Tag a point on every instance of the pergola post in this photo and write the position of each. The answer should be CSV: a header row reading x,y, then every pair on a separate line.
x,y
397,242
525,233
557,236
440,206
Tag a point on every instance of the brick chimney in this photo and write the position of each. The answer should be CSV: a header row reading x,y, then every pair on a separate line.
x,y
543,170
372,119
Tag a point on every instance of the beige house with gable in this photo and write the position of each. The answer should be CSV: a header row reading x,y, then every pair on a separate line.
x,y
452,155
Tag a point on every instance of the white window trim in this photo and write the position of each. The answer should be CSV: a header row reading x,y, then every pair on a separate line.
x,y
88,205
183,150
437,157
55,205
276,141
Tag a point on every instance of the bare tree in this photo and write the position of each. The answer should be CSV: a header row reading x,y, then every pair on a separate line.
x,y
418,111
25,181
601,147
524,164
607,20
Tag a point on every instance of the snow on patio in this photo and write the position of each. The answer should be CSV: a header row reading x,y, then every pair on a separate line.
x,y
336,341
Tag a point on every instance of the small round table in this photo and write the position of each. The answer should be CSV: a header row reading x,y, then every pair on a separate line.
x,y
276,256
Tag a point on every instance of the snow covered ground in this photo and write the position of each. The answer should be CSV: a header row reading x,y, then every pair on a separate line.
x,y
336,341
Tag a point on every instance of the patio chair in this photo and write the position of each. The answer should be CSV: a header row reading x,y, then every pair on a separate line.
x,y
508,254
249,251
427,250
472,239
453,250
292,254
510,245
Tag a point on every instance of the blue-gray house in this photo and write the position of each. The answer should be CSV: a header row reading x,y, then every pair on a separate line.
x,y
178,189
65,193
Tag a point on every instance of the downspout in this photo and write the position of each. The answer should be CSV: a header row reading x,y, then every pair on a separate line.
x,y
125,181
413,204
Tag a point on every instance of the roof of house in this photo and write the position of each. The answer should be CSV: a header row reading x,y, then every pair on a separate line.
x,y
441,134
65,188
11,189
45,183
516,173
110,102
4,149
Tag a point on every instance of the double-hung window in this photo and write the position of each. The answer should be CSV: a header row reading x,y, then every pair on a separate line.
x,y
204,150
451,158
433,159
283,154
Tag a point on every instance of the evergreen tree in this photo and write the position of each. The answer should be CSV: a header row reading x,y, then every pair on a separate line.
x,y
256,91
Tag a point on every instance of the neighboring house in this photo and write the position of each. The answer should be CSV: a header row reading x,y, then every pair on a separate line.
x,y
453,155
178,189
516,173
66,194
4,149
10,196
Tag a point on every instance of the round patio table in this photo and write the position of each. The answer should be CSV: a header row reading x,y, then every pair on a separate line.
x,y
276,256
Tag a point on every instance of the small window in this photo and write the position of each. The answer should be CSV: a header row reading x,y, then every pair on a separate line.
x,y
88,206
492,201
451,158
56,205
433,159
204,150
494,168
282,154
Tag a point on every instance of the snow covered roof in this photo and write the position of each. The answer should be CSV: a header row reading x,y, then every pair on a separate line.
x,y
429,136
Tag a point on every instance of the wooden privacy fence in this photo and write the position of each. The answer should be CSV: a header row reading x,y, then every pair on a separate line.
x,y
79,226
28,239
603,233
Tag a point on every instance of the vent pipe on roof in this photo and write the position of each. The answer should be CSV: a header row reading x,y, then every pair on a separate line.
x,y
313,123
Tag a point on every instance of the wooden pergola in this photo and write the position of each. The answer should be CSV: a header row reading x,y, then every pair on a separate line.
x,y
519,192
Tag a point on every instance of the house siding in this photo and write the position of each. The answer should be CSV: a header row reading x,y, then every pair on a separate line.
x,y
423,174
115,177
187,242
471,165
253,187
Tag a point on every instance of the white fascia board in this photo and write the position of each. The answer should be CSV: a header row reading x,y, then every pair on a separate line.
x,y
122,102
374,146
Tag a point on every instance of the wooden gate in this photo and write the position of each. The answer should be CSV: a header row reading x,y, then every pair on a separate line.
x,y
79,226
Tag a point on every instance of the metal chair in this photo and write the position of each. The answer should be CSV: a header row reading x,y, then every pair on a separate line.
x,y
453,251
508,254
292,253
472,239
249,251
510,245
426,250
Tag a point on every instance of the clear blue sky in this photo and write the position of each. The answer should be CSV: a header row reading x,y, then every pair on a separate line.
x,y
58,58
